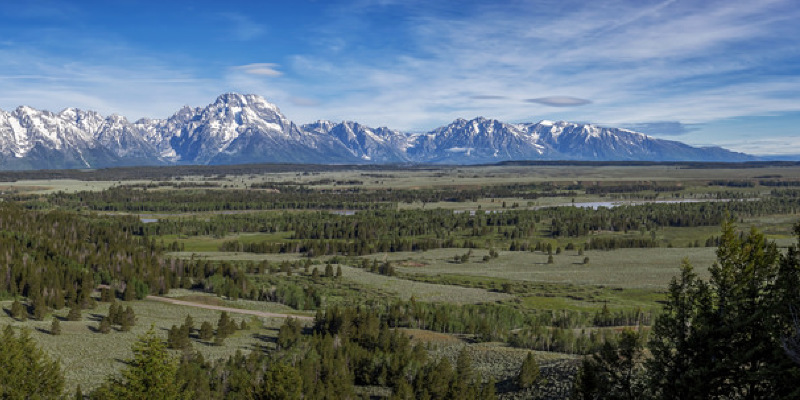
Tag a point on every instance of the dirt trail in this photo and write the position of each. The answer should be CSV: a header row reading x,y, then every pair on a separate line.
x,y
228,309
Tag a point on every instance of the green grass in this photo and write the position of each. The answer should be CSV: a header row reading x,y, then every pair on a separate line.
x,y
211,244
625,268
88,357
428,292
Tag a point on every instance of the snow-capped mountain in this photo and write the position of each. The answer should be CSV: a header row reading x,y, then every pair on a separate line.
x,y
477,141
381,145
248,129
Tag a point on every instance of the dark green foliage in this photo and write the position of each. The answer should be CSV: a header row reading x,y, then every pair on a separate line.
x,y
225,326
289,333
188,323
206,331
127,318
615,372
26,372
281,382
105,325
18,311
57,258
74,314
178,338
55,327
528,372
39,308
150,374
722,339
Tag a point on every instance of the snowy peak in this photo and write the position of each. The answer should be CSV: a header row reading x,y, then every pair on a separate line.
x,y
237,128
377,145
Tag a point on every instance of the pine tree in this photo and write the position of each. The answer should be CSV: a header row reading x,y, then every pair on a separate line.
x,y
27,372
677,340
281,381
206,331
188,323
528,372
18,311
127,318
129,294
151,374
39,308
74,313
105,325
55,327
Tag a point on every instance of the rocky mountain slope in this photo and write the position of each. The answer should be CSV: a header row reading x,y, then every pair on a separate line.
x,y
248,129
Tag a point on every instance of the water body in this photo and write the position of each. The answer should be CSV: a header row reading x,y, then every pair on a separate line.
x,y
611,204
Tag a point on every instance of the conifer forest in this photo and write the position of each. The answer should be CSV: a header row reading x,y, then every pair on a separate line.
x,y
516,281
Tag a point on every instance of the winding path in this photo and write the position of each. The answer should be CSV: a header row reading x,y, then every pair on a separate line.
x,y
228,309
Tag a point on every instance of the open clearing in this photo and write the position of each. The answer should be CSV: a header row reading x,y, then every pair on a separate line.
x,y
625,268
88,357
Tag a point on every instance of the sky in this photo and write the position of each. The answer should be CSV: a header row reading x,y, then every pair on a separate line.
x,y
709,72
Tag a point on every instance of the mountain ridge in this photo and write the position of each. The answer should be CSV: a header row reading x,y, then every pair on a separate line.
x,y
238,129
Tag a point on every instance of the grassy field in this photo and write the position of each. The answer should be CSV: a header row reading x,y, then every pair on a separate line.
x,y
625,268
623,279
88,357
428,292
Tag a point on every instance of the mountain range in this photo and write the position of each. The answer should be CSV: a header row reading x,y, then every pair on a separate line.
x,y
238,129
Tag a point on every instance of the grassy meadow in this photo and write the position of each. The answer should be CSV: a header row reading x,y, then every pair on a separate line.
x,y
568,278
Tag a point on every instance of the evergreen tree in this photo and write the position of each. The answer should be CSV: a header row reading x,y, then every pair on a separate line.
x,y
188,323
206,331
528,372
281,382
680,342
150,374
615,372
18,311
586,385
39,308
55,327
105,325
27,372
225,326
74,313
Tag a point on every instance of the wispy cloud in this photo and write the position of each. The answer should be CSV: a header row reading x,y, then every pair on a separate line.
x,y
263,69
663,128
487,97
142,87
637,62
559,101
667,67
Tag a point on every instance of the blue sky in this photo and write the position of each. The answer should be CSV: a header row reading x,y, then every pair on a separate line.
x,y
704,72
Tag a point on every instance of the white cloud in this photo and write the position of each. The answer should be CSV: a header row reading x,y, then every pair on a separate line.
x,y
627,62
264,69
